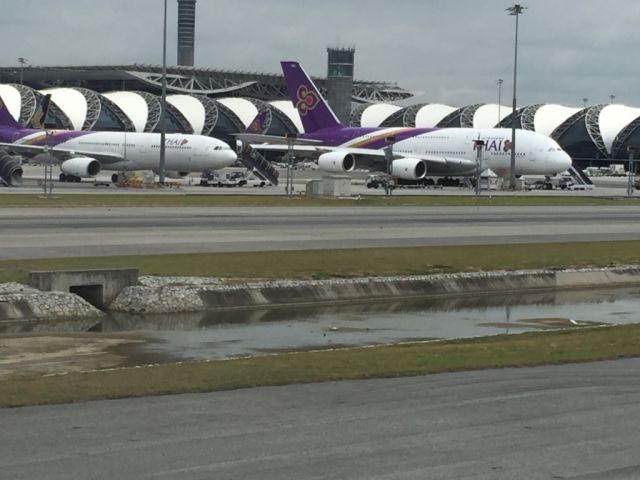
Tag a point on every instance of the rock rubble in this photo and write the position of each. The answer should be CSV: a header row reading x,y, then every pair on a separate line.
x,y
18,302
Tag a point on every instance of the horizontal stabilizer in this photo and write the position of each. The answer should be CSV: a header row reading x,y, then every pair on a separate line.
x,y
105,158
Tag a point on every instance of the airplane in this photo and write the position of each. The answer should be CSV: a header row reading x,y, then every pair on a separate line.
x,y
417,152
83,154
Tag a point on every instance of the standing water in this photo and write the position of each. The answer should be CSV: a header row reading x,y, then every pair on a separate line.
x,y
223,334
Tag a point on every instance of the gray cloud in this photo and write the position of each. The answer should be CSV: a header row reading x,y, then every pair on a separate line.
x,y
453,51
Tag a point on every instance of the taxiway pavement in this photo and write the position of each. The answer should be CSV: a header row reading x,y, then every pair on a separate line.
x,y
68,232
553,422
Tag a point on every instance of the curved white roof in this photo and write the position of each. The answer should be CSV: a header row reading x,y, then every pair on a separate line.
x,y
71,102
549,117
377,113
489,115
133,105
614,118
243,108
191,108
430,115
12,99
287,108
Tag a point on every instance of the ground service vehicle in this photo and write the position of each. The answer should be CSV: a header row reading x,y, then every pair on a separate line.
x,y
223,179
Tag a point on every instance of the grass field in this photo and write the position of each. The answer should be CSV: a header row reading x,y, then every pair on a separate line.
x,y
318,264
528,349
183,200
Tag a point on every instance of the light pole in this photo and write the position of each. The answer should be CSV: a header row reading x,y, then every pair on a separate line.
x,y
631,179
515,11
499,82
291,140
163,102
611,98
388,155
478,146
22,61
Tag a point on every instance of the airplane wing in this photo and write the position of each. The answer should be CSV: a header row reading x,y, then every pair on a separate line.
x,y
273,139
368,158
62,154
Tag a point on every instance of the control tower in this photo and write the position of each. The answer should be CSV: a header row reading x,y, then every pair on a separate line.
x,y
186,31
340,81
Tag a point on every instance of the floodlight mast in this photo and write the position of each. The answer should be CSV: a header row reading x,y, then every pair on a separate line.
x,y
22,61
163,102
499,82
515,11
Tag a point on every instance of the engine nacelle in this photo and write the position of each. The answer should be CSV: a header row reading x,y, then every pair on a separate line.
x,y
10,169
336,162
409,168
81,167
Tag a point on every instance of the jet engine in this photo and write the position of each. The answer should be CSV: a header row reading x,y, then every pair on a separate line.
x,y
409,168
336,162
10,169
80,167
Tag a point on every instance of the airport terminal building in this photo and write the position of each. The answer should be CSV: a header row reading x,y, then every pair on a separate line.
x,y
220,103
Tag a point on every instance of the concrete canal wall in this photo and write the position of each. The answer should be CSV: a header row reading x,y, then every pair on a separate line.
x,y
190,294
180,294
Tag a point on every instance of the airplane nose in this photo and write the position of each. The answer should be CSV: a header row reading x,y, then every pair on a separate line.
x,y
565,161
230,157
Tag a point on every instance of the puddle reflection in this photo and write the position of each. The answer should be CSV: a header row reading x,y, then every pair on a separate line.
x,y
240,332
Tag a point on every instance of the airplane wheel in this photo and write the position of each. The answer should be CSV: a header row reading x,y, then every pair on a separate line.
x,y
62,177
114,178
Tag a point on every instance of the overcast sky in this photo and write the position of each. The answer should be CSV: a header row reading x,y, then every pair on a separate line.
x,y
452,51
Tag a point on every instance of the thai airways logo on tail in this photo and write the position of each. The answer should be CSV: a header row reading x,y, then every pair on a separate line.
x,y
261,123
314,111
307,100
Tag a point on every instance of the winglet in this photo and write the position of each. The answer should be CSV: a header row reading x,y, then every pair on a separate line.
x,y
314,111
39,118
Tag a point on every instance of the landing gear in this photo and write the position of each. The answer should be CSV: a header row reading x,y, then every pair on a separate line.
x,y
69,178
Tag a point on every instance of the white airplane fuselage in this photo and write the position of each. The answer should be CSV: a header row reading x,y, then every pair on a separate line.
x,y
141,151
536,154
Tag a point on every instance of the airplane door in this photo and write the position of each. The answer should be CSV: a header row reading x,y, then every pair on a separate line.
x,y
536,154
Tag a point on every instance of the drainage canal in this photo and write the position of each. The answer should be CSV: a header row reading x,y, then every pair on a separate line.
x,y
223,334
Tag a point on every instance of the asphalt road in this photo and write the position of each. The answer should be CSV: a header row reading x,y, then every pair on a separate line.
x,y
569,422
38,233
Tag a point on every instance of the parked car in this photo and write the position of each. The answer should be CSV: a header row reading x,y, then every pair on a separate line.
x,y
258,182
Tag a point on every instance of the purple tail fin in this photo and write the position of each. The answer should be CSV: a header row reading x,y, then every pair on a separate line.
x,y
6,119
314,111
261,123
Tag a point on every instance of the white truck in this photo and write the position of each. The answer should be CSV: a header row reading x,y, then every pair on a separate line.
x,y
223,179
617,170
